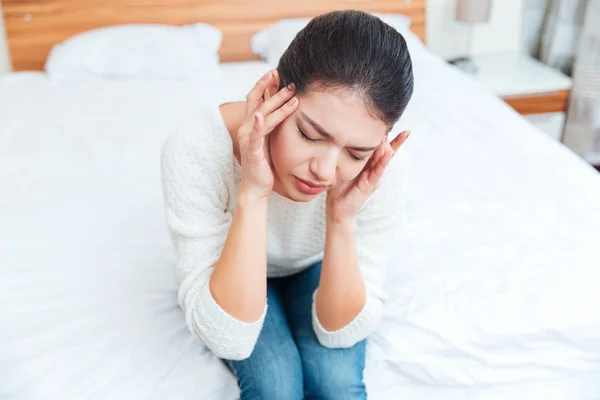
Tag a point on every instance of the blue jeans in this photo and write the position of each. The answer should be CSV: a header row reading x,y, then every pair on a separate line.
x,y
288,362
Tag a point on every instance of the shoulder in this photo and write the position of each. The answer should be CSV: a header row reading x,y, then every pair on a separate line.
x,y
197,158
202,134
201,142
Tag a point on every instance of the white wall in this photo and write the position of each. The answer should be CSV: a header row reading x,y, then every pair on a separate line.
x,y
449,38
4,59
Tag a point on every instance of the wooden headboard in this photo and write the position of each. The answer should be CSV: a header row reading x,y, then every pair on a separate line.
x,y
34,26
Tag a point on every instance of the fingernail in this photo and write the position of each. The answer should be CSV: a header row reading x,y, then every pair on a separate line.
x,y
293,101
291,86
267,75
408,134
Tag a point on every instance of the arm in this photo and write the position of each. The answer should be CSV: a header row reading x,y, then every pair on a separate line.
x,y
342,293
222,257
239,282
349,300
195,178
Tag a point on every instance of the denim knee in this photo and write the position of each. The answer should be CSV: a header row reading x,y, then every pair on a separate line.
x,y
335,382
281,378
333,373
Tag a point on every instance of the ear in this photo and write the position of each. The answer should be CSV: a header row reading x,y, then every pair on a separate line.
x,y
273,87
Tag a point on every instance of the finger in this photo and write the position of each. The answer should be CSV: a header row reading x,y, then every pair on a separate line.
x,y
255,140
362,183
377,172
382,146
278,100
279,115
399,140
253,97
378,153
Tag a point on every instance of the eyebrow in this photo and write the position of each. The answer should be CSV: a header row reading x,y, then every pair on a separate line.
x,y
326,134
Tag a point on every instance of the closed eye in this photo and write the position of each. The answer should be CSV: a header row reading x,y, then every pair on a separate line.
x,y
356,158
305,136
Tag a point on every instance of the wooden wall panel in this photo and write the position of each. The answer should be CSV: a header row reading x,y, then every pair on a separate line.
x,y
34,26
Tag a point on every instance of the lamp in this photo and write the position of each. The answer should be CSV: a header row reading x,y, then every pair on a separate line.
x,y
470,12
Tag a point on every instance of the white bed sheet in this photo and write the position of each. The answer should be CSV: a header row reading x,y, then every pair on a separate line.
x,y
493,284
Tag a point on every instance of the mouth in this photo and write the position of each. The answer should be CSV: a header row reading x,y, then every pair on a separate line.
x,y
308,187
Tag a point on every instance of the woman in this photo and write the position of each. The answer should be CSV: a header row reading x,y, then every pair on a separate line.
x,y
271,205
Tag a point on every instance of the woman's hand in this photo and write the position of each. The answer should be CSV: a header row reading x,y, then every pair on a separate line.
x,y
261,117
344,202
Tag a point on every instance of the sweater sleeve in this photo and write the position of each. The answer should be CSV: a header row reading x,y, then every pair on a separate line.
x,y
197,171
377,224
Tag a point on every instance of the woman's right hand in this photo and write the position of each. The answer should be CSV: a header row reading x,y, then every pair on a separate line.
x,y
261,117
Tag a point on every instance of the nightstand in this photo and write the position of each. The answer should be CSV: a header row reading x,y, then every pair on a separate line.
x,y
535,90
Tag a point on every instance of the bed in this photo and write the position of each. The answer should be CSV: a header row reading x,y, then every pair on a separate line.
x,y
493,282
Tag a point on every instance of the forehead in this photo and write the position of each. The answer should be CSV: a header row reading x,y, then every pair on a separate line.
x,y
343,114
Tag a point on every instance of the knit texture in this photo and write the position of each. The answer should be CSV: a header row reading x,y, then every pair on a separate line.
x,y
201,178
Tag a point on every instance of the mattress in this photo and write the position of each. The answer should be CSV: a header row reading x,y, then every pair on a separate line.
x,y
493,283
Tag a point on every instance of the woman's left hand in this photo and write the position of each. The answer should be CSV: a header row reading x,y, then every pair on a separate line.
x,y
345,201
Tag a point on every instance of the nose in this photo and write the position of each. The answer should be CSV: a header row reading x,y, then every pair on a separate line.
x,y
324,166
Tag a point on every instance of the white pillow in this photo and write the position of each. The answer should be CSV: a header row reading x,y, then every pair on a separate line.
x,y
144,52
271,42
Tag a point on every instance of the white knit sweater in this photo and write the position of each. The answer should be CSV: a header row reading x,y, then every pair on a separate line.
x,y
201,178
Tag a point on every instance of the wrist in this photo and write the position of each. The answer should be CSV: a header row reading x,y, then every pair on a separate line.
x,y
248,198
344,225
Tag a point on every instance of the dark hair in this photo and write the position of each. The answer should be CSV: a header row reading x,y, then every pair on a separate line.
x,y
353,50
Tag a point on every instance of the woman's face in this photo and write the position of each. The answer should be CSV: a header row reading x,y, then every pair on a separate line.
x,y
326,142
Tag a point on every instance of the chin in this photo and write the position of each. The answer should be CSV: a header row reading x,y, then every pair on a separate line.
x,y
302,197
